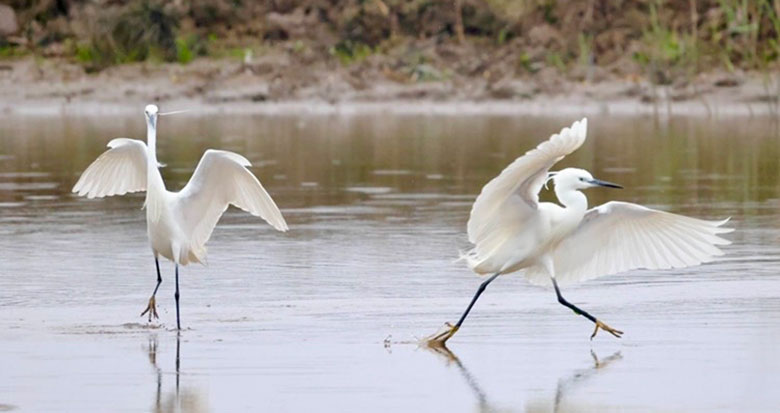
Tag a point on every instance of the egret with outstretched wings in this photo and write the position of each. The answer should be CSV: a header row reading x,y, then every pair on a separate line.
x,y
568,243
178,223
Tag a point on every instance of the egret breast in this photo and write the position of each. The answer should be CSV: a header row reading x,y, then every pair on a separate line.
x,y
160,237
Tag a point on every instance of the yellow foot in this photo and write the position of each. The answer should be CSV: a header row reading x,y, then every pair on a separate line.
x,y
151,309
440,337
608,329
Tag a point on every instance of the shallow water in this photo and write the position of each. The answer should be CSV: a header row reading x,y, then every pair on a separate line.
x,y
324,317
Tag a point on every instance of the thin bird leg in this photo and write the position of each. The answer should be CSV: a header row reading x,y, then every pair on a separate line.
x,y
442,337
577,310
176,296
152,307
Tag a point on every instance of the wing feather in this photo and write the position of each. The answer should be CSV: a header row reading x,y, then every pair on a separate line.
x,y
221,179
512,197
119,170
619,236
525,176
659,254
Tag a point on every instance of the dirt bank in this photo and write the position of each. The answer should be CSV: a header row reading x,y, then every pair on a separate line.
x,y
700,57
275,81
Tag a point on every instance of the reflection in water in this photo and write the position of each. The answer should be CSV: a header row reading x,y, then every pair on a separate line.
x,y
566,384
692,160
451,358
153,343
373,251
186,400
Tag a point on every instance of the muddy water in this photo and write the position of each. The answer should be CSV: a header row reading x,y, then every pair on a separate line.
x,y
323,317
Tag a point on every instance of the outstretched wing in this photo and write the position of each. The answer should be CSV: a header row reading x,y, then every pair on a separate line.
x,y
117,171
620,236
221,179
507,201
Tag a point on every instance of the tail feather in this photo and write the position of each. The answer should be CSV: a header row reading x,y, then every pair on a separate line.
x,y
198,254
473,260
189,254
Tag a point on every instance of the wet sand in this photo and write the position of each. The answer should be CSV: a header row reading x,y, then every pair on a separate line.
x,y
326,316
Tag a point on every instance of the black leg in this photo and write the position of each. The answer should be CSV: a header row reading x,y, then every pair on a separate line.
x,y
159,277
570,305
579,311
437,340
151,308
178,363
176,296
480,290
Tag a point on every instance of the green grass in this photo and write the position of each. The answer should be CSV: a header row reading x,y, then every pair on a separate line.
x,y
349,52
8,51
585,43
556,60
666,54
141,31
730,34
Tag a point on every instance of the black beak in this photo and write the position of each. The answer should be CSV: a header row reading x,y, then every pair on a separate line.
x,y
605,183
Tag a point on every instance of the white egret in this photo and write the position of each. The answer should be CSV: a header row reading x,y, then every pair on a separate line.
x,y
512,231
178,223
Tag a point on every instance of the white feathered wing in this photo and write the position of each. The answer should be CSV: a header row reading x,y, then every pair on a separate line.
x,y
620,236
221,179
119,170
501,212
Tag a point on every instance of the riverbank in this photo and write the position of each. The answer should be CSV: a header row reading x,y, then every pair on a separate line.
x,y
275,84
695,58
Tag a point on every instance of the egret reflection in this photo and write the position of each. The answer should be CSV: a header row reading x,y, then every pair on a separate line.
x,y
471,381
181,399
566,385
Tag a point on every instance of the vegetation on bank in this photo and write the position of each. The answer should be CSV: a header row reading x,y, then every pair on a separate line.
x,y
663,40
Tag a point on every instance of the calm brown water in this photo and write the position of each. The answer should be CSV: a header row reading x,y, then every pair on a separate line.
x,y
377,210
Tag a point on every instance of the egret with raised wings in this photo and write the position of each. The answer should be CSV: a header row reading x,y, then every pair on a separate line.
x,y
568,243
178,223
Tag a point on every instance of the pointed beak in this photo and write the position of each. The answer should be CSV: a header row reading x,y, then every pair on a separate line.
x,y
605,183
174,112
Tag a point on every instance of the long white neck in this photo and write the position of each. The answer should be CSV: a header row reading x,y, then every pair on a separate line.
x,y
155,187
153,178
574,200
151,141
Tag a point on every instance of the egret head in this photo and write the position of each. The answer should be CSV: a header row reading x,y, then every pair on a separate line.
x,y
575,178
151,114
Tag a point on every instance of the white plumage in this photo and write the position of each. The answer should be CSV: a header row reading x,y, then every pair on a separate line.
x,y
511,230
221,179
119,170
505,224
618,236
178,223
567,243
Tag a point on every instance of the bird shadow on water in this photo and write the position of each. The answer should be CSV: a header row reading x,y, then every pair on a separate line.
x,y
181,398
566,384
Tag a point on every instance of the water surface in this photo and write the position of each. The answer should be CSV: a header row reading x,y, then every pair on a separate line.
x,y
322,317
